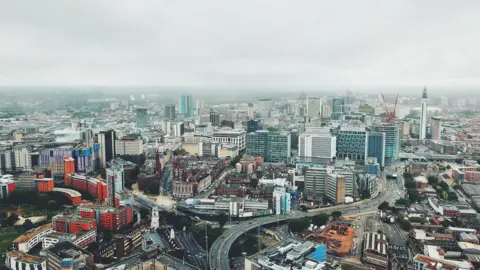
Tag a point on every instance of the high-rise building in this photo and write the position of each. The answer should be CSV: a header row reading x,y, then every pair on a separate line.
x,y
106,139
253,125
186,105
230,136
392,140
141,118
215,118
338,108
170,113
314,107
347,174
317,144
315,178
273,146
335,188
376,146
436,128
443,102
423,116
352,144
115,182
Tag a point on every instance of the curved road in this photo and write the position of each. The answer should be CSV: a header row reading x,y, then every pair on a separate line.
x,y
221,247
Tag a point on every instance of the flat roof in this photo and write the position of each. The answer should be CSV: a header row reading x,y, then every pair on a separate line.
x,y
71,192
29,235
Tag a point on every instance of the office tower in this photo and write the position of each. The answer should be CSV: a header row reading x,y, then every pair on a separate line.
x,y
436,128
392,141
423,116
141,118
315,178
253,125
186,105
443,102
115,182
179,129
273,146
170,113
314,107
335,188
352,144
317,144
87,137
215,118
376,146
106,139
338,108
347,174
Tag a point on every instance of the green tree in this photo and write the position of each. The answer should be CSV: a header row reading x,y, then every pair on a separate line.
x,y
432,179
12,219
336,214
405,225
383,206
222,219
444,195
28,224
452,196
320,219
444,185
298,225
402,201
448,167
413,197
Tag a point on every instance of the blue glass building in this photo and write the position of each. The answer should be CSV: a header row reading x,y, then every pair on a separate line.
x,y
376,146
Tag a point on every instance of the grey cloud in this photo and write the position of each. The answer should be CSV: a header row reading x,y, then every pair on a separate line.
x,y
316,44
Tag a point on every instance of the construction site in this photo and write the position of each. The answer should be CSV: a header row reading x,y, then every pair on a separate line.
x,y
337,236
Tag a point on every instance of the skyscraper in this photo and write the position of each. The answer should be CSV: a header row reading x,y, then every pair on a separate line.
x,y
392,141
170,112
314,107
141,118
215,118
186,105
338,108
436,128
115,182
106,139
376,146
423,117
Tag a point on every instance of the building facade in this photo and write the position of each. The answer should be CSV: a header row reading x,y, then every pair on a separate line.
x,y
272,146
423,116
141,118
106,139
392,141
317,145
170,112
352,144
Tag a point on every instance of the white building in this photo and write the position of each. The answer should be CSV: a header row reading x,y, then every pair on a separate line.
x,y
317,144
423,116
22,158
129,147
230,136
314,107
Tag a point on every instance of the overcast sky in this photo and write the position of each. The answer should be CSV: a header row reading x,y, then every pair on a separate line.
x,y
288,44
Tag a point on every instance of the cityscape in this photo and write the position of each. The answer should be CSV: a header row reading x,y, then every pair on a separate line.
x,y
219,136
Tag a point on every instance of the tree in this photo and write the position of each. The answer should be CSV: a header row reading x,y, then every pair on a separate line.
x,y
444,185
405,225
28,224
413,197
402,201
407,175
222,219
410,184
432,179
383,206
448,167
336,214
379,232
444,195
12,219
452,196
298,225
320,219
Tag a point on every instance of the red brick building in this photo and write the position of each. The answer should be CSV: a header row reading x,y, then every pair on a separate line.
x,y
108,217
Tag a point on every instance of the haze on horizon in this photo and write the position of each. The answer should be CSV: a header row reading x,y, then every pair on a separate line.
x,y
245,44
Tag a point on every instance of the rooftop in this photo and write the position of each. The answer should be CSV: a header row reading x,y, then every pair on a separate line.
x,y
24,257
32,233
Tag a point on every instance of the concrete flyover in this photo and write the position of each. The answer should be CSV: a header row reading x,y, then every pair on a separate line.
x,y
218,256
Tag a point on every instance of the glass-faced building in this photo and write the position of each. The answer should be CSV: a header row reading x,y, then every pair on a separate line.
x,y
272,146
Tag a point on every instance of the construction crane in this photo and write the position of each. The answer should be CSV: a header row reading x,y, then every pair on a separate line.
x,y
390,114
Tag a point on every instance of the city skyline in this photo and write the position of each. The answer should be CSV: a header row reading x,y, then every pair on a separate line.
x,y
402,44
